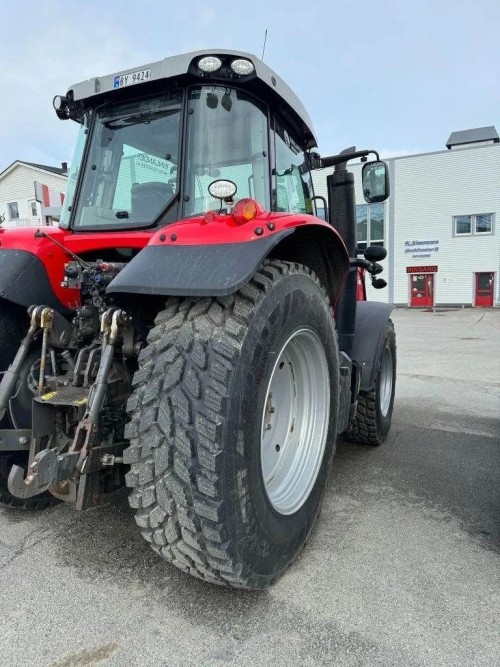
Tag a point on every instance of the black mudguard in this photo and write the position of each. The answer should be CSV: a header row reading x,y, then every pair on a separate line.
x,y
371,318
194,270
24,280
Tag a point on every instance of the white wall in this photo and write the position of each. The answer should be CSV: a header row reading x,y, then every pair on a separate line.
x,y
429,191
426,192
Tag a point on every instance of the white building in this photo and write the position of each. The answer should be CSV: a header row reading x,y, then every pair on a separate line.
x,y
439,224
18,199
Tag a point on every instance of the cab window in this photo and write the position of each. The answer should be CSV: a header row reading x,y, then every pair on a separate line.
x,y
227,138
131,179
293,187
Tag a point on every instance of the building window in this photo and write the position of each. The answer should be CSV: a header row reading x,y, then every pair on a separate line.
x,y
463,224
469,225
34,211
484,223
370,224
13,210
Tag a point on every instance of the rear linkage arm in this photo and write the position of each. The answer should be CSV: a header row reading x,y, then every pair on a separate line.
x,y
11,376
56,332
84,456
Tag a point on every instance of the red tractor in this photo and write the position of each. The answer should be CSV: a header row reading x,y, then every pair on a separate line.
x,y
191,327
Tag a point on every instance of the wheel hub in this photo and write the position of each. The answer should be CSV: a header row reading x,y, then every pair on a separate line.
x,y
295,421
386,381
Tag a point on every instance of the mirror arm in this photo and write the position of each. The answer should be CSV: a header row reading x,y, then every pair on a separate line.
x,y
373,268
341,158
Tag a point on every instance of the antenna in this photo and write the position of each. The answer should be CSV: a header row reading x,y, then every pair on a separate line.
x,y
264,47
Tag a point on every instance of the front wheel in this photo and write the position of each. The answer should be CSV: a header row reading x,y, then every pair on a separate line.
x,y
233,423
373,418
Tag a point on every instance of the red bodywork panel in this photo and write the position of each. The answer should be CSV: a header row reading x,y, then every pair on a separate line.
x,y
210,229
217,229
361,286
54,258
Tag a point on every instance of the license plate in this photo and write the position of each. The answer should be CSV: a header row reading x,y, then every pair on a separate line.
x,y
141,76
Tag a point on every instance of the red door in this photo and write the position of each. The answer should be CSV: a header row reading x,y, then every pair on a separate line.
x,y
422,290
484,290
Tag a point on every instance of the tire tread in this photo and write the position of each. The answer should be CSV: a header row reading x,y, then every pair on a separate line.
x,y
365,427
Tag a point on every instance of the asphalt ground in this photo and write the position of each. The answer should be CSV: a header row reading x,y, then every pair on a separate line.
x,y
402,569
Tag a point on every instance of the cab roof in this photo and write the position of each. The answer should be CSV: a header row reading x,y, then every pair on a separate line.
x,y
265,82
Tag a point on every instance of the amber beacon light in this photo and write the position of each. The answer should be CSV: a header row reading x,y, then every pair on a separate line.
x,y
245,210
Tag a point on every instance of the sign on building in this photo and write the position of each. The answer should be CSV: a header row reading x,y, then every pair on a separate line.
x,y
421,249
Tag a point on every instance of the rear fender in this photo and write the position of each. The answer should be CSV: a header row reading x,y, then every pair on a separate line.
x,y
322,250
193,270
371,319
24,280
218,258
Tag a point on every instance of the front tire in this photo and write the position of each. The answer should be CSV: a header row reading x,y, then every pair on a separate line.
x,y
373,418
229,455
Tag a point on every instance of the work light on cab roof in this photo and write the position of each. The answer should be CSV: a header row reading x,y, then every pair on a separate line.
x,y
61,106
209,64
242,66
239,66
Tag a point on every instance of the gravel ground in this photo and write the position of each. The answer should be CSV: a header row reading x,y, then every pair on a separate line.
x,y
402,569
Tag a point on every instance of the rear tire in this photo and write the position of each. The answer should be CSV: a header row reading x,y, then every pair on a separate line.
x,y
14,324
373,417
207,496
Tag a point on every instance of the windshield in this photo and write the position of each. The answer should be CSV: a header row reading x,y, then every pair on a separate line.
x,y
132,161
228,139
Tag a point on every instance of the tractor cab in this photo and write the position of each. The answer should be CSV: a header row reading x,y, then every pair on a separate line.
x,y
150,145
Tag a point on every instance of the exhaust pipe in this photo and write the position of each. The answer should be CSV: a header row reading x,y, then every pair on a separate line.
x,y
342,214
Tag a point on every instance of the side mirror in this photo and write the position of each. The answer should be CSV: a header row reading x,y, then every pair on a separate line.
x,y
375,253
375,180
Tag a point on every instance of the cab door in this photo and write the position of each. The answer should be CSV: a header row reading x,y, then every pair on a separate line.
x,y
422,290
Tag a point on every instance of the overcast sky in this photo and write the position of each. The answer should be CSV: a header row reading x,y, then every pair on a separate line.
x,y
398,75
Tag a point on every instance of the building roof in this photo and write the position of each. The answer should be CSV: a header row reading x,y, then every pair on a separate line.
x,y
472,136
53,170
58,171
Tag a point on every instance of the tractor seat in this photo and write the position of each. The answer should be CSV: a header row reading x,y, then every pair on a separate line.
x,y
282,201
148,199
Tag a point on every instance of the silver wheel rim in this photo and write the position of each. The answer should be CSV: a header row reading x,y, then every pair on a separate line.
x,y
386,380
295,421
